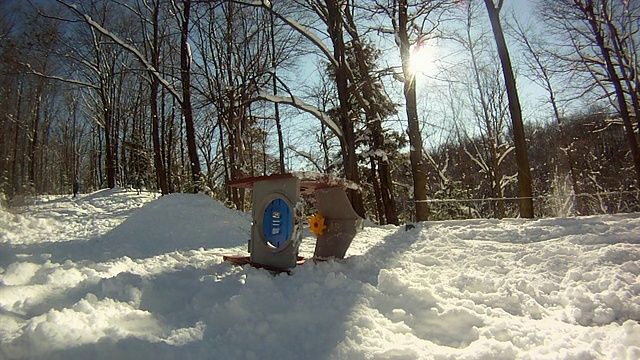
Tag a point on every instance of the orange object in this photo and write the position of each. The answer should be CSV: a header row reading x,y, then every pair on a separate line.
x,y
316,224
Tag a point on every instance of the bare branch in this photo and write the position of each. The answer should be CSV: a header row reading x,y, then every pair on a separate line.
x,y
301,105
307,156
152,70
31,70
297,27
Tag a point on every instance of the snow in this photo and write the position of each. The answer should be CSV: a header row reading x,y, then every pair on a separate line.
x,y
114,274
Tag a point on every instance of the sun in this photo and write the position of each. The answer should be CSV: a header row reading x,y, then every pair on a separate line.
x,y
424,56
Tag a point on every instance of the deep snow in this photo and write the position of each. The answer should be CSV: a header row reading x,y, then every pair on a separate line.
x,y
114,274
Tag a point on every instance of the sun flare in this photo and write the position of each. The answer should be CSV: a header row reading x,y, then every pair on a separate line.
x,y
424,56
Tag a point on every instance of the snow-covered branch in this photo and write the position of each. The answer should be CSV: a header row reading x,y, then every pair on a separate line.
x,y
441,171
478,159
297,27
301,105
152,70
503,156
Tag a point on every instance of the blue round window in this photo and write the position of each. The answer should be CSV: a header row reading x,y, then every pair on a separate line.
x,y
277,222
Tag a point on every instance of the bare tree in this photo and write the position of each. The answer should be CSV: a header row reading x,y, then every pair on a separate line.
x,y
376,106
238,60
542,73
276,107
184,99
402,25
153,43
602,38
187,108
488,105
100,62
411,23
599,31
522,159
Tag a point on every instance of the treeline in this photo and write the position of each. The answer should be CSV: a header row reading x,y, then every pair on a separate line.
x,y
182,96
603,170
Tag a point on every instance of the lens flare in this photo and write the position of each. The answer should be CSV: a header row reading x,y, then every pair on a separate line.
x,y
424,56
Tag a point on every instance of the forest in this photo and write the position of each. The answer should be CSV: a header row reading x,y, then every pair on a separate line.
x,y
440,109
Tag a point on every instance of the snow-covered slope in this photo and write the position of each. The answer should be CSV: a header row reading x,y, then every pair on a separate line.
x,y
119,275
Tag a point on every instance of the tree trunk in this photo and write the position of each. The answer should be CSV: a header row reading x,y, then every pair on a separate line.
x,y
157,151
491,133
15,180
109,163
386,190
382,220
155,84
187,110
415,138
276,108
109,153
116,115
335,27
623,61
34,139
522,159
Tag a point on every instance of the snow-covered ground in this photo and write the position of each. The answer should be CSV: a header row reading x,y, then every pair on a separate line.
x,y
118,275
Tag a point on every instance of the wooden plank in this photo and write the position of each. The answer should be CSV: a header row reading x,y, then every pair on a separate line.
x,y
309,181
247,183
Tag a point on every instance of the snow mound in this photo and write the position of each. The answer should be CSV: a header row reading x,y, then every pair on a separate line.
x,y
166,225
